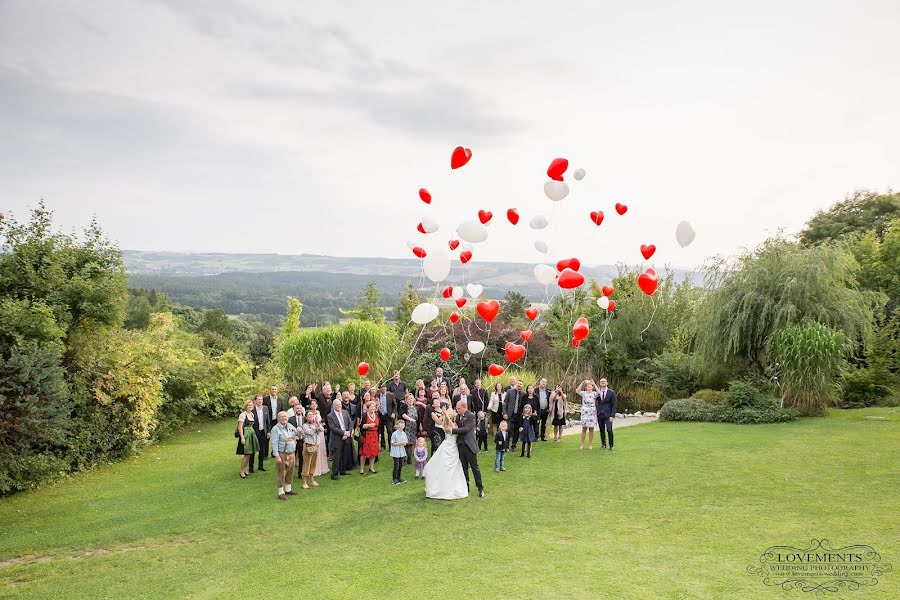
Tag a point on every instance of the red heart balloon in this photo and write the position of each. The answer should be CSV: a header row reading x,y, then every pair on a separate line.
x,y
454,244
581,329
581,320
488,310
608,290
454,317
461,302
526,334
647,250
557,168
445,354
569,279
621,208
571,263
597,217
495,370
652,271
612,306
647,282
420,252
531,313
465,256
484,216
514,351
448,291
460,157
420,228
513,216
362,369
425,195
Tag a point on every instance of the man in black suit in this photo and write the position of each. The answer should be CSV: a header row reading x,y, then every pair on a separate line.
x,y
606,410
274,404
397,387
479,398
262,425
543,395
463,395
341,429
512,410
468,447
439,377
387,412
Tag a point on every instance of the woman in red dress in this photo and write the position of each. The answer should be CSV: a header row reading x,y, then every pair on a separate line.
x,y
370,447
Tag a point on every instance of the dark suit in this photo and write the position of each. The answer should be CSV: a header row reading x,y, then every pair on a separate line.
x,y
479,400
606,410
386,423
481,433
261,428
337,443
512,408
543,414
397,389
501,440
468,447
275,406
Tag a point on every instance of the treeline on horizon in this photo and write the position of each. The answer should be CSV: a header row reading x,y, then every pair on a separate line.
x,y
91,371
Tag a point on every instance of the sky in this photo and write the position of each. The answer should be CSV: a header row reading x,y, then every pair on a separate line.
x,y
291,127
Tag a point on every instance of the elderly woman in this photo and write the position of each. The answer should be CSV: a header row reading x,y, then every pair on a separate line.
x,y
311,430
247,445
588,392
284,449
368,436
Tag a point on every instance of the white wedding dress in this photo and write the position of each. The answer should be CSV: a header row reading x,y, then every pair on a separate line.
x,y
444,477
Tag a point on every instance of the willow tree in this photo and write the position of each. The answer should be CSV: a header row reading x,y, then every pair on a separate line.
x,y
778,284
334,351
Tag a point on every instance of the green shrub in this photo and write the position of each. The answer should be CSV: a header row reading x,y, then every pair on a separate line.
x,y
867,387
743,394
809,356
678,376
690,409
711,396
638,397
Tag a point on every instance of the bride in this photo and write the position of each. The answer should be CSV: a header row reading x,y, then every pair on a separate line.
x,y
444,477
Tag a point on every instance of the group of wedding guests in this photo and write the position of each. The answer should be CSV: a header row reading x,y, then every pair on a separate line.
x,y
351,427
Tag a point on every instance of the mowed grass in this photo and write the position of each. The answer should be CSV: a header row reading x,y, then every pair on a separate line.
x,y
679,510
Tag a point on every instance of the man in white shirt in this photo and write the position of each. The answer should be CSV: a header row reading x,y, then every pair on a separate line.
x,y
543,395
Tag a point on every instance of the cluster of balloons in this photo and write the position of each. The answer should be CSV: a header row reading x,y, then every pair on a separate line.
x,y
436,261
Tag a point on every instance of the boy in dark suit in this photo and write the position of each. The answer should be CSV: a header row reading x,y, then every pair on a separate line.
x,y
481,431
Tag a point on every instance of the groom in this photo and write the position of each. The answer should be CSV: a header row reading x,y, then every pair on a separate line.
x,y
464,427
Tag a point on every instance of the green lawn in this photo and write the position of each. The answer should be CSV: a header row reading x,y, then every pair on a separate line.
x,y
678,511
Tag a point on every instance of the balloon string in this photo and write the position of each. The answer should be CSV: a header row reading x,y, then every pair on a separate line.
x,y
405,362
653,302
481,359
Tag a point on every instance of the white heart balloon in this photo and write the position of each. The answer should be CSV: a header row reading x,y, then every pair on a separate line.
x,y
472,231
603,302
457,292
474,290
475,347
545,274
425,313
579,174
685,233
541,246
556,190
430,225
538,222
437,264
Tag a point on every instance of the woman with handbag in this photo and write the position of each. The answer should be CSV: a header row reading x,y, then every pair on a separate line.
x,y
247,445
310,430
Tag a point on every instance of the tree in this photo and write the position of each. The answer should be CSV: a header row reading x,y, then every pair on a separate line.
x,y
863,211
407,302
369,306
513,306
779,284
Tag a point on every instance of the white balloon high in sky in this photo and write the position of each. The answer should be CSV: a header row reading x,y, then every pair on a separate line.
x,y
425,313
538,221
684,233
472,231
436,264
556,190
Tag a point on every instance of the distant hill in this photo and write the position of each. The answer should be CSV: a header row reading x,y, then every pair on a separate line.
x,y
259,284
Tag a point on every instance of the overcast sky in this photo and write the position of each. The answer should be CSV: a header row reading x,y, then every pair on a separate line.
x,y
295,127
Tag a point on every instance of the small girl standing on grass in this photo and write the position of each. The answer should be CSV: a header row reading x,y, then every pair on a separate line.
x,y
421,455
528,428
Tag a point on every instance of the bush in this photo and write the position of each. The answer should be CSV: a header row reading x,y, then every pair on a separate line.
x,y
690,409
678,374
743,394
711,396
866,387
638,397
